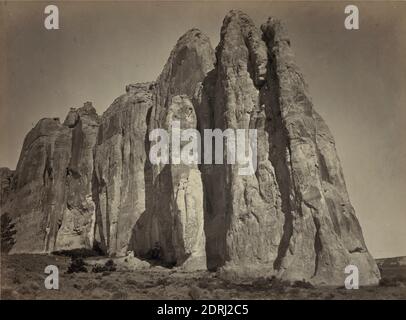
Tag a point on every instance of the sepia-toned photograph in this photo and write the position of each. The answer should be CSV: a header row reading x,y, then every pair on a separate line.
x,y
203,150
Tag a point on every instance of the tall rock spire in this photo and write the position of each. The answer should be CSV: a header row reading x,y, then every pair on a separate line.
x,y
293,217
174,217
324,235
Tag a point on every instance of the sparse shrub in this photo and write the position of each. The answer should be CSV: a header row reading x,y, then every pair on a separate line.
x,y
162,282
108,267
155,253
279,285
77,265
79,253
262,283
7,233
302,284
98,268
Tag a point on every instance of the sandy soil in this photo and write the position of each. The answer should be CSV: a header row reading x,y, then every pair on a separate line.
x,y
22,277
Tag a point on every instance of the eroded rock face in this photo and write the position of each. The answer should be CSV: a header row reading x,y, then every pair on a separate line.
x,y
189,62
244,218
37,198
48,196
89,182
324,231
293,218
173,221
77,224
119,187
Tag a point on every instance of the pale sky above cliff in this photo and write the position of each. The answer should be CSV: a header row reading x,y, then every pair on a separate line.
x,y
357,80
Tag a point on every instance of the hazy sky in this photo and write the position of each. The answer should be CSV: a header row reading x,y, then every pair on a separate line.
x,y
357,79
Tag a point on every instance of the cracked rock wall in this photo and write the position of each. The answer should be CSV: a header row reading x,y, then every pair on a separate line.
x,y
174,217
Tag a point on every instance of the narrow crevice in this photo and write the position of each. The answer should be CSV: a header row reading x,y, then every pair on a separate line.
x,y
279,150
47,174
318,246
105,187
96,189
323,170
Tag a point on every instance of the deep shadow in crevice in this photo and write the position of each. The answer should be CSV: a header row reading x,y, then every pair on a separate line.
x,y
318,246
97,189
151,236
213,177
147,243
279,149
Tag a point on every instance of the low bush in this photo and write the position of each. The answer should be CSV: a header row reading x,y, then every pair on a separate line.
x,y
155,253
302,284
77,265
109,266
279,285
7,233
78,253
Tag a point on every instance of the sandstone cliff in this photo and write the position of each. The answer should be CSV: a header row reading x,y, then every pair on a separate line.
x,y
119,188
48,195
89,183
174,216
76,228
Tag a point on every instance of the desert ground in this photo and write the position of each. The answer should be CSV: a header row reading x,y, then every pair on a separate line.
x,y
22,277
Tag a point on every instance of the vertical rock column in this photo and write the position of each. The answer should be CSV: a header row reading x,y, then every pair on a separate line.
x,y
324,235
119,187
78,221
37,196
174,217
244,216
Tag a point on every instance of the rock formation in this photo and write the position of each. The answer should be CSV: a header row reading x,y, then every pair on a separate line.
x,y
119,188
89,182
76,228
174,216
49,194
